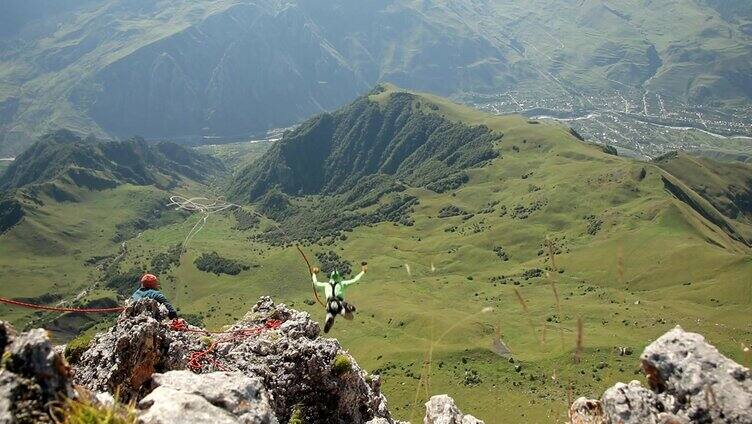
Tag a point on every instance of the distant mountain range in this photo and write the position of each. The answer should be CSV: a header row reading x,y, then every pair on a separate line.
x,y
183,69
97,164
61,166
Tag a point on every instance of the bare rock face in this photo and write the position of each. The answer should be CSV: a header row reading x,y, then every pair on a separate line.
x,y
279,346
586,411
442,410
32,375
182,396
690,382
123,359
706,386
298,368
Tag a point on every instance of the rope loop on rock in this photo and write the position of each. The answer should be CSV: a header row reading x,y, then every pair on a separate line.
x,y
199,359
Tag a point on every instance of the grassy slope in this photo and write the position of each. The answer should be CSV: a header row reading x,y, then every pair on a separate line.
x,y
654,264
45,253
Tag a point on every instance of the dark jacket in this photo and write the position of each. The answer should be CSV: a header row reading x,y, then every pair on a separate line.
x,y
144,293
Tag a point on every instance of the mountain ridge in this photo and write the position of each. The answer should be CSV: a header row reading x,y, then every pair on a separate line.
x,y
233,67
399,138
134,161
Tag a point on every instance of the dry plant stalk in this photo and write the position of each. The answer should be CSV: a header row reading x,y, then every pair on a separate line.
x,y
552,254
521,300
578,347
620,263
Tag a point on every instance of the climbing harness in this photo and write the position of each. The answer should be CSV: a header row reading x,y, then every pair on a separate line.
x,y
199,359
61,309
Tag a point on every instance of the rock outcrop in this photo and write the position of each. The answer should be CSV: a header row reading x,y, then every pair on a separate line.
x,y
442,410
269,368
32,375
220,397
276,348
689,382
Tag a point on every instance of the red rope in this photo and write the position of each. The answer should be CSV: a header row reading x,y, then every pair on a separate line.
x,y
61,309
197,360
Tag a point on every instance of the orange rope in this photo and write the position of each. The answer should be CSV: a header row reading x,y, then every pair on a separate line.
x,y
315,293
62,309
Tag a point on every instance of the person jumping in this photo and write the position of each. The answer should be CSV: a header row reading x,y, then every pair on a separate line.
x,y
335,295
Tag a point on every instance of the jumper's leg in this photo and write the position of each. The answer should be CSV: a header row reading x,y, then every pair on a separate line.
x,y
329,322
347,311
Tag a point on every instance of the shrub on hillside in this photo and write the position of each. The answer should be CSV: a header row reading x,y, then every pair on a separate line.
x,y
245,220
331,261
451,210
610,150
215,264
164,261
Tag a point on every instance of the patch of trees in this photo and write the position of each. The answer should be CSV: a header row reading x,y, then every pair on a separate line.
x,y
610,150
164,261
245,220
532,273
501,253
594,224
523,212
125,283
451,182
215,264
450,211
328,218
11,214
489,208
330,261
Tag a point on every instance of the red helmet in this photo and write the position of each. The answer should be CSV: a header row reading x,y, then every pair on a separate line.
x,y
149,281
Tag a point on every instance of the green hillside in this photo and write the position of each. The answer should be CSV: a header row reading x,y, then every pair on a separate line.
x,y
475,290
229,68
96,164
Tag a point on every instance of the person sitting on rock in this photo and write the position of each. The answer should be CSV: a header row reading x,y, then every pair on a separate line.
x,y
150,290
335,295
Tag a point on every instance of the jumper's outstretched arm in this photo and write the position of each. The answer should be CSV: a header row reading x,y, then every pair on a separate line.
x,y
363,270
315,280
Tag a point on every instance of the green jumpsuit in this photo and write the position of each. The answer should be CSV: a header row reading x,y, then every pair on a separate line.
x,y
335,297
